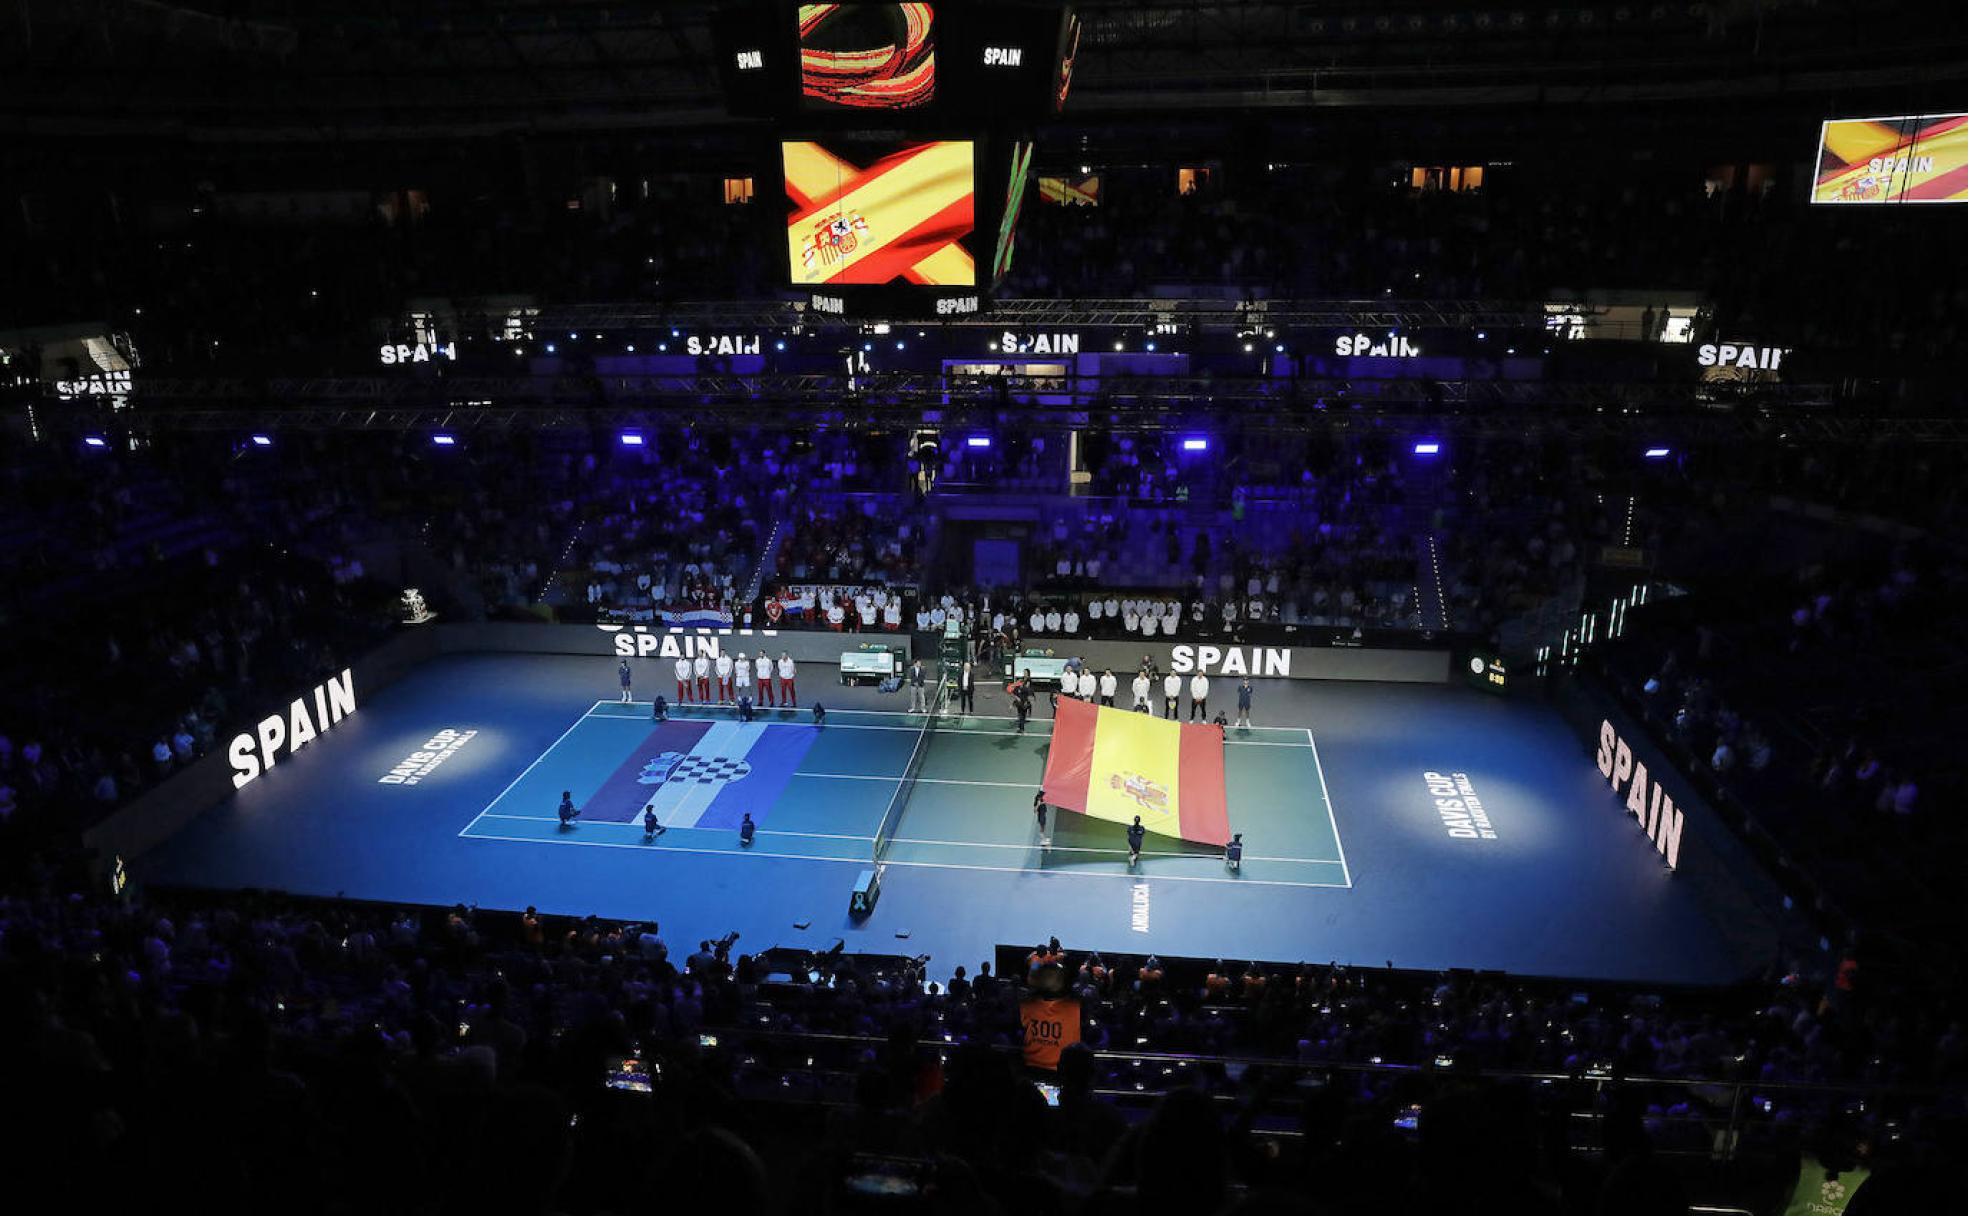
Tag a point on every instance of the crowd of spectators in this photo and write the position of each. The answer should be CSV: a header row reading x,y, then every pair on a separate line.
x,y
1823,705
258,1051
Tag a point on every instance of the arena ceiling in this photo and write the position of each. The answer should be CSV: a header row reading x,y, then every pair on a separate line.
x,y
276,70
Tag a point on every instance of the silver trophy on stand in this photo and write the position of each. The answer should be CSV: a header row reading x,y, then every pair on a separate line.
x,y
415,611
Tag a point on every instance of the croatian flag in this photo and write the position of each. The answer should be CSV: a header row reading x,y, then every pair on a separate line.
x,y
703,774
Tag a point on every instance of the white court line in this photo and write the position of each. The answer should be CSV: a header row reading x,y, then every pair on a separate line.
x,y
1327,795
681,827
529,768
953,844
866,863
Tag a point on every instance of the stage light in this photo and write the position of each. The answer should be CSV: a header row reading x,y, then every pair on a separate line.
x,y
778,346
867,346
632,348
573,337
262,441
1151,346
1120,346
1427,447
631,439
978,441
1657,453
676,333
444,441
1481,336
1195,445
901,346
96,441
550,348
663,346
1280,348
1248,348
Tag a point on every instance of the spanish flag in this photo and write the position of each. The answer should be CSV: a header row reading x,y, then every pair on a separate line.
x,y
1115,764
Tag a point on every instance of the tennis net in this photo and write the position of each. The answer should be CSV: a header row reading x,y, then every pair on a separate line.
x,y
892,816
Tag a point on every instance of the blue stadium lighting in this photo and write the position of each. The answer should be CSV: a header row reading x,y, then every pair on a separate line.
x,y
978,441
1151,346
778,346
262,441
632,348
1280,348
1657,453
444,441
676,333
550,348
1427,447
631,439
663,346
901,346
866,346
96,441
1195,445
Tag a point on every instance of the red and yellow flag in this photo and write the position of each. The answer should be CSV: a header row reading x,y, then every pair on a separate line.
x,y
1115,764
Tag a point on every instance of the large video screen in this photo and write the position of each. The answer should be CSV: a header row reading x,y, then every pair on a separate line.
x,y
1021,168
1912,158
867,56
862,214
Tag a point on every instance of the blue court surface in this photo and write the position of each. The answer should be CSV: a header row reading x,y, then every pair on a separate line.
x,y
444,788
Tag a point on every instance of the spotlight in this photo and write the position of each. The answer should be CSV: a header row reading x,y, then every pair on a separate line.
x,y
444,441
778,346
978,441
1151,346
632,348
1657,453
550,348
631,439
262,441
1427,447
1195,445
96,441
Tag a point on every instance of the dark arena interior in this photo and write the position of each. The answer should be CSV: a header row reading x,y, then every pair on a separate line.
x,y
1166,607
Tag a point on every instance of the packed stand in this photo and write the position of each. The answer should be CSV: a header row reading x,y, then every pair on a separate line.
x,y
453,1061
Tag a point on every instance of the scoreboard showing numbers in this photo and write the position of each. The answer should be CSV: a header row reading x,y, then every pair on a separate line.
x,y
902,140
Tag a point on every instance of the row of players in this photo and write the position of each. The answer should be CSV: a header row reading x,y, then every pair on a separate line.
x,y
734,679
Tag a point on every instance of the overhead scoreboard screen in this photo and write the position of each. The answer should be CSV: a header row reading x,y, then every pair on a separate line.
x,y
867,56
861,214
848,65
901,140
1909,158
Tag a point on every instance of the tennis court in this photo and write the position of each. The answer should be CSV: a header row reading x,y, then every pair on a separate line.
x,y
955,795
443,789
